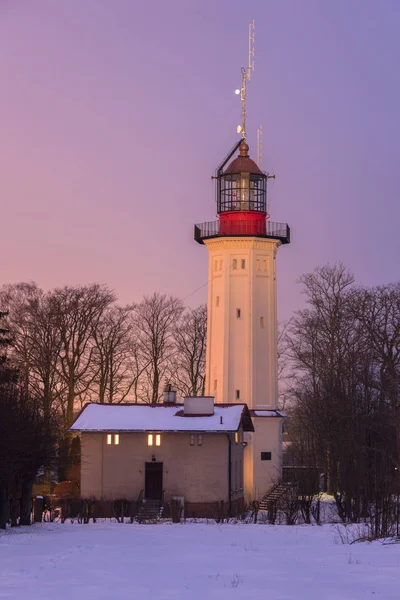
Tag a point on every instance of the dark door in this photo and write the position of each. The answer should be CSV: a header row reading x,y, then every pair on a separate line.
x,y
153,481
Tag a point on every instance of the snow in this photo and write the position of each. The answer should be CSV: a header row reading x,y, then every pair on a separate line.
x,y
266,413
107,560
144,417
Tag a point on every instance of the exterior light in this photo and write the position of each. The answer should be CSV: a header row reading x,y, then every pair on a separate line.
x,y
237,92
239,129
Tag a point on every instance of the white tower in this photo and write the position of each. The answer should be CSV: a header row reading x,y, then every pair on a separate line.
x,y
242,350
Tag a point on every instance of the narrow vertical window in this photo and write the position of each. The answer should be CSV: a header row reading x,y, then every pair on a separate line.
x,y
238,313
243,263
262,322
236,437
158,439
234,264
258,265
265,265
109,439
220,265
150,439
191,440
116,439
237,394
215,384
217,301
215,265
199,440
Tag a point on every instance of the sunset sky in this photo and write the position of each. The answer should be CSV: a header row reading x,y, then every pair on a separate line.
x,y
115,113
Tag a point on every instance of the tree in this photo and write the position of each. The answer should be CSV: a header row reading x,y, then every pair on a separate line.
x,y
78,312
188,364
156,319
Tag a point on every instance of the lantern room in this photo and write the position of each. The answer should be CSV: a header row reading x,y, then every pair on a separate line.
x,y
242,186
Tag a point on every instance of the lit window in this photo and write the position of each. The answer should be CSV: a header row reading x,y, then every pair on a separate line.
x,y
262,322
237,437
243,263
217,300
234,264
199,440
150,439
116,439
238,313
109,439
237,394
192,439
158,439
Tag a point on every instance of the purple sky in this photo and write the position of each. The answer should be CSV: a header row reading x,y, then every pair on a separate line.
x,y
114,115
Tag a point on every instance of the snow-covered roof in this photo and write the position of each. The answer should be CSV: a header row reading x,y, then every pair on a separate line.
x,y
160,417
266,413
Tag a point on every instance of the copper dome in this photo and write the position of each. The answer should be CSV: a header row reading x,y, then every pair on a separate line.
x,y
243,163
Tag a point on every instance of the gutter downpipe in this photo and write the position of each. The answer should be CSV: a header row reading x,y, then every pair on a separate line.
x,y
229,474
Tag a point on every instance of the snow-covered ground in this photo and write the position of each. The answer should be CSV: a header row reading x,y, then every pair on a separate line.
x,y
111,561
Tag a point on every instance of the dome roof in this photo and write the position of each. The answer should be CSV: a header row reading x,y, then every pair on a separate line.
x,y
243,163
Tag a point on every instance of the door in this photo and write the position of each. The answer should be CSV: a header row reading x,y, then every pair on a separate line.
x,y
153,481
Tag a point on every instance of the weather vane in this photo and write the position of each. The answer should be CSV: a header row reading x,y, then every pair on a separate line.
x,y
246,74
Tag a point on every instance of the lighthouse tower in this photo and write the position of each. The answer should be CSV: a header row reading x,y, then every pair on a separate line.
x,y
242,352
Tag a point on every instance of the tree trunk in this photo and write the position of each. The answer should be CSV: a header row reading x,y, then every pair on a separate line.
x,y
26,503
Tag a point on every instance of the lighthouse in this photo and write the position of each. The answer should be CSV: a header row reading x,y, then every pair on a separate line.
x,y
242,328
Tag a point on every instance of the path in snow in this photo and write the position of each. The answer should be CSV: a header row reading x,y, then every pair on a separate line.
x,y
111,561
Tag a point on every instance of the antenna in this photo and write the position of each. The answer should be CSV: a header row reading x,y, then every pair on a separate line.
x,y
246,74
259,145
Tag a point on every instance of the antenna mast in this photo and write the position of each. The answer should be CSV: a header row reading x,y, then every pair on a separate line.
x,y
246,74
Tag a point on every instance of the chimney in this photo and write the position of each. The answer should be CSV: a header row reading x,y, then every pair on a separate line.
x,y
199,405
169,394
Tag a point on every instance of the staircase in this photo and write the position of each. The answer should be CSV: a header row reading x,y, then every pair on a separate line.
x,y
150,511
279,492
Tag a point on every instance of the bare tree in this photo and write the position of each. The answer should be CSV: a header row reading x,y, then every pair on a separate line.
x,y
188,364
78,312
112,342
156,318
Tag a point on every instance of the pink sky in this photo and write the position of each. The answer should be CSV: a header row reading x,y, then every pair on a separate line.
x,y
114,115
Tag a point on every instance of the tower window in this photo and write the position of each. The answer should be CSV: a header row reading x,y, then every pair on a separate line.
x,y
238,313
234,263
217,301
192,439
220,265
236,437
265,265
109,439
150,439
116,439
215,384
199,440
258,265
237,394
158,439
215,265
262,322
243,263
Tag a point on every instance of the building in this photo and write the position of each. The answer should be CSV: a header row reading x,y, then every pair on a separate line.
x,y
193,451
242,353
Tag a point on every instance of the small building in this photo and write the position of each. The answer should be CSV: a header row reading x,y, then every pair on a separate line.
x,y
193,451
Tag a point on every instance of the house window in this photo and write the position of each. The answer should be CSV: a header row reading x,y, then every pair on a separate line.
x,y
217,301
158,439
236,437
237,394
262,322
116,439
266,456
150,439
234,263
199,440
238,313
243,263
192,439
109,439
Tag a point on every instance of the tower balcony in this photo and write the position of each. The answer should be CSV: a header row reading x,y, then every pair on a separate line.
x,y
246,228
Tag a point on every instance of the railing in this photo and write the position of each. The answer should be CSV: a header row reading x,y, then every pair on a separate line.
x,y
264,229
